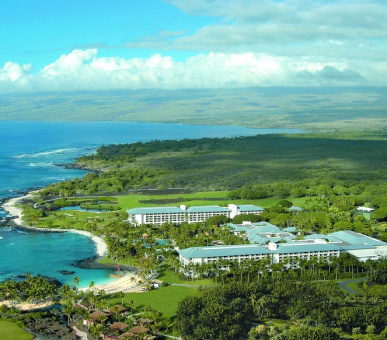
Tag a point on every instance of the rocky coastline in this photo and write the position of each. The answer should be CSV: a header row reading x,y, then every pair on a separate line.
x,y
76,166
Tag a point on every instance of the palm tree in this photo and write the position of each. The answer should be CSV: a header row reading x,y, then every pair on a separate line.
x,y
253,300
132,305
76,280
116,310
68,309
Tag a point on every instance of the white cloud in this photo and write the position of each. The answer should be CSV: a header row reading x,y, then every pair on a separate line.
x,y
330,31
250,43
69,63
13,71
84,70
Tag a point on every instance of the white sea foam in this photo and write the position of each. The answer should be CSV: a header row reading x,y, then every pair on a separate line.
x,y
44,153
52,152
21,156
41,164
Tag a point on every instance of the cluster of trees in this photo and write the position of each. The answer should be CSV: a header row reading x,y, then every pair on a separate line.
x,y
325,215
355,192
113,181
124,242
32,289
379,275
226,163
321,311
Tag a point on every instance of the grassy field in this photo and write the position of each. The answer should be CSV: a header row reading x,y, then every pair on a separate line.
x,y
164,299
355,287
10,331
169,276
199,198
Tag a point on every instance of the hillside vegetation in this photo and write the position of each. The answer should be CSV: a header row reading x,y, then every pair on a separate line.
x,y
235,162
306,108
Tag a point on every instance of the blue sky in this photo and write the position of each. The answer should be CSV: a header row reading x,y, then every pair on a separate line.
x,y
138,44
39,32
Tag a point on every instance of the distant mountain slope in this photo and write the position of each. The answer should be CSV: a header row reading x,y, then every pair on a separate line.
x,y
308,108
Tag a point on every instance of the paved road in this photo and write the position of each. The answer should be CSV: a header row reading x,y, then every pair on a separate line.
x,y
343,284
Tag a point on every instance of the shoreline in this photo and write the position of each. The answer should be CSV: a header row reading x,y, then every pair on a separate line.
x,y
127,283
16,221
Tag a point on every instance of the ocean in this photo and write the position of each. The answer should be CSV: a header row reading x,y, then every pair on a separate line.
x,y
29,154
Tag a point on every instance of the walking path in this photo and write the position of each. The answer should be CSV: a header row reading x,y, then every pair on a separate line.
x,y
343,285
80,334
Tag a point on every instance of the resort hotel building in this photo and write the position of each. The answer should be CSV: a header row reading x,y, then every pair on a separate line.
x,y
194,214
280,246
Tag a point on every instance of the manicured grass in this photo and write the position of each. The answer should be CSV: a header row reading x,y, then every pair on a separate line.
x,y
270,201
74,219
199,198
164,299
169,276
132,201
11,331
355,287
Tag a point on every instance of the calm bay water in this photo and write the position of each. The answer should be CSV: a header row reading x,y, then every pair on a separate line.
x,y
29,153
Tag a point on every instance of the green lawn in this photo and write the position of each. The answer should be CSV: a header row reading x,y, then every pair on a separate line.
x,y
132,201
164,299
355,287
169,276
10,331
200,198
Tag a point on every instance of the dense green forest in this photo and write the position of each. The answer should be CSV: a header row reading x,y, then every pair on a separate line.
x,y
278,162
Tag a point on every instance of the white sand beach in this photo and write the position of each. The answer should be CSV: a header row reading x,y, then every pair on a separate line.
x,y
13,210
25,306
125,284
102,249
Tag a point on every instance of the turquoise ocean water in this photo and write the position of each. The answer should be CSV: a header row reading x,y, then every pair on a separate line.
x,y
29,154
